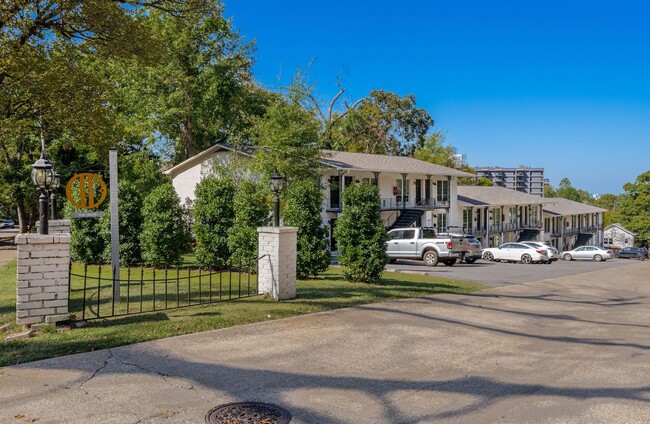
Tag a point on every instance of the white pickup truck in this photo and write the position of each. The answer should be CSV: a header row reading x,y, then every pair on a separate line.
x,y
422,243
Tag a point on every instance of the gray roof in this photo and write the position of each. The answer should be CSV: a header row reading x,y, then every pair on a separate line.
x,y
495,196
382,163
561,206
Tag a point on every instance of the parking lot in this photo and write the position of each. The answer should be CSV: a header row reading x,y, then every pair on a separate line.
x,y
498,274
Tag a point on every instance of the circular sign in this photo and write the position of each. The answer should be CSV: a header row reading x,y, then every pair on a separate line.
x,y
88,185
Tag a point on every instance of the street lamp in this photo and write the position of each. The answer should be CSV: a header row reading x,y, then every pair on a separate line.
x,y
42,176
277,184
56,183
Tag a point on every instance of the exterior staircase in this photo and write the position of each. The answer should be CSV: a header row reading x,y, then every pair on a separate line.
x,y
529,234
406,218
582,240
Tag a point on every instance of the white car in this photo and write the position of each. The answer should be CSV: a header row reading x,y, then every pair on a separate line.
x,y
516,252
591,253
553,254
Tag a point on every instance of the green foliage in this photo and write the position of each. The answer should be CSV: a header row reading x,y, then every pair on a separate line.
x,y
164,236
87,235
214,215
634,209
610,202
360,234
130,225
303,202
485,182
251,209
383,123
566,191
435,150
286,140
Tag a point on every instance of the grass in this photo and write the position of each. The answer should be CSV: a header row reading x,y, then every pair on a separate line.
x,y
328,291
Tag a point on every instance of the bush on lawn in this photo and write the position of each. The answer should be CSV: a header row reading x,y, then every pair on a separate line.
x,y
303,202
214,215
251,210
164,237
360,234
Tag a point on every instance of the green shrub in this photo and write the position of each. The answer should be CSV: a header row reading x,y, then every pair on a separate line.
x,y
251,210
360,234
303,202
87,235
164,238
214,215
130,224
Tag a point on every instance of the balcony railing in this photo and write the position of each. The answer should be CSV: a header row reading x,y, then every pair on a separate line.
x,y
393,203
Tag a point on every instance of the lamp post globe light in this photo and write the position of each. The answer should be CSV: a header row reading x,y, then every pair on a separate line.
x,y
277,184
42,176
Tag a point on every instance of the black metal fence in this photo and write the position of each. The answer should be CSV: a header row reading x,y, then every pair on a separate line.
x,y
143,289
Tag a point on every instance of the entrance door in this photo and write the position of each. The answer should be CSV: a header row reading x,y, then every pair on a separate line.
x,y
418,192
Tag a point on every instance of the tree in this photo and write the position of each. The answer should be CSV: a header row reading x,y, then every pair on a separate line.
x,y
360,234
434,150
634,208
251,210
286,140
203,91
130,225
164,238
610,202
304,200
566,191
214,215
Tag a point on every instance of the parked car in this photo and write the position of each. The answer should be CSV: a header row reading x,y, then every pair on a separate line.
x,y
553,254
639,253
7,223
423,243
516,252
592,253
474,247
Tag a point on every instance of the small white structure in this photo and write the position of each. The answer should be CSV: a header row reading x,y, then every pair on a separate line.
x,y
618,236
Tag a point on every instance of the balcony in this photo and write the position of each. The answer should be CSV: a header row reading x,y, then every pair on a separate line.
x,y
396,203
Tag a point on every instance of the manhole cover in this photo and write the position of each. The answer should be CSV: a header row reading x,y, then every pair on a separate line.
x,y
248,413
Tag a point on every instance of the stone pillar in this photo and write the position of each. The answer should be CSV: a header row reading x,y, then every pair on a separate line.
x,y
57,226
277,264
43,278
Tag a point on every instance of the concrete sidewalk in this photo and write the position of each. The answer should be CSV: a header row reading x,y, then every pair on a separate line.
x,y
574,349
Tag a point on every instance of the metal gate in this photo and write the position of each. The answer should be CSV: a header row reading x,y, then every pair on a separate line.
x,y
146,289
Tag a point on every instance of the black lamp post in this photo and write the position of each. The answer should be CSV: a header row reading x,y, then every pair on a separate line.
x,y
43,175
56,182
277,184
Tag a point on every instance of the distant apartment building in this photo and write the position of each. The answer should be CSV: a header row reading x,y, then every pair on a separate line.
x,y
524,179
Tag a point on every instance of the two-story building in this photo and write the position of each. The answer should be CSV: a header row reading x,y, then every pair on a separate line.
x,y
497,215
412,191
569,224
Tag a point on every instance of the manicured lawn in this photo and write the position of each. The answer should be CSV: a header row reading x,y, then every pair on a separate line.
x,y
329,291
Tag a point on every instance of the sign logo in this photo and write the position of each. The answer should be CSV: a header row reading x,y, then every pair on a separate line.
x,y
88,186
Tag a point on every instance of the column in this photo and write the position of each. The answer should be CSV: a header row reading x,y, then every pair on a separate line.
x,y
277,264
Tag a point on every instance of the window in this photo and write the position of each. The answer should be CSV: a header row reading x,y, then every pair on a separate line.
x,y
512,214
408,235
402,190
428,233
442,221
443,191
394,235
496,215
467,218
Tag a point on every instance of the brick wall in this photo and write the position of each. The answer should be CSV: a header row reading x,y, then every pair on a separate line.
x,y
43,277
277,268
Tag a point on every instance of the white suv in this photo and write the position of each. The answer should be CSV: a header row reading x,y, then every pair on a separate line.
x,y
553,254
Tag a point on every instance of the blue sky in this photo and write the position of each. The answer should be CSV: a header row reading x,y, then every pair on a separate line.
x,y
559,85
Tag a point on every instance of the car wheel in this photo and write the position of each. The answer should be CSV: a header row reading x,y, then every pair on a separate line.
x,y
488,256
549,262
526,259
430,258
641,258
450,263
567,257
598,258
471,261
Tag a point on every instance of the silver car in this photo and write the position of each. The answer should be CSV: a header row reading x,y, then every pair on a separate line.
x,y
591,253
553,254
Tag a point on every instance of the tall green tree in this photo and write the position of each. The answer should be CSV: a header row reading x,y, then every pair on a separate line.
x,y
251,210
634,208
214,216
435,150
164,236
360,234
610,202
303,202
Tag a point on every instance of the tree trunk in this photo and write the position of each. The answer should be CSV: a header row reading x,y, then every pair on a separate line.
x,y
22,216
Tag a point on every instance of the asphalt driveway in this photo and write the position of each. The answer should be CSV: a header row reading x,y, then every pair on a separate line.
x,y
572,349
